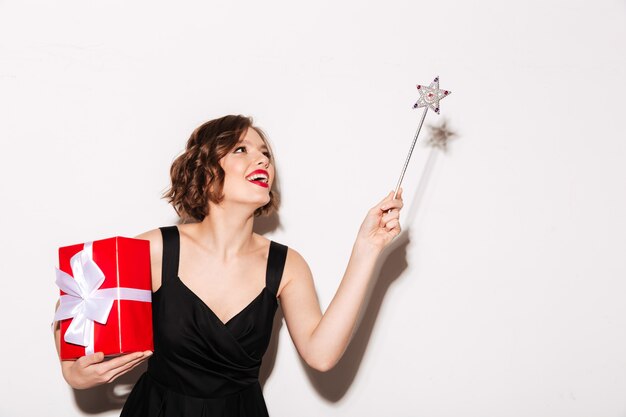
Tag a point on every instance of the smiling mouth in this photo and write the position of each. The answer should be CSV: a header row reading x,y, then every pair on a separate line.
x,y
260,183
259,177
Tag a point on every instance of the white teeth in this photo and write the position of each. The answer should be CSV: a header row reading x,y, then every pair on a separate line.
x,y
257,177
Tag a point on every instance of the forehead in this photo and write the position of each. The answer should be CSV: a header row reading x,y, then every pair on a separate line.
x,y
252,137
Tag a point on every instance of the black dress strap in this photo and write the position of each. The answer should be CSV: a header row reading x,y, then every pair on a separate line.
x,y
171,253
275,265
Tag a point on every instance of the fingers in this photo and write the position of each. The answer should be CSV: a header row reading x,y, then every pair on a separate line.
x,y
391,204
117,372
393,224
384,204
124,360
390,215
106,371
128,368
112,364
87,360
391,220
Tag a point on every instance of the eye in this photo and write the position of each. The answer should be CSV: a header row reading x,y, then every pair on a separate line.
x,y
239,147
269,155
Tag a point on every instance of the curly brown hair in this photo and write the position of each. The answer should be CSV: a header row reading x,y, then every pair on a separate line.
x,y
196,174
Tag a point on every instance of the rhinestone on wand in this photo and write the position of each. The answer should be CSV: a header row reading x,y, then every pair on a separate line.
x,y
429,98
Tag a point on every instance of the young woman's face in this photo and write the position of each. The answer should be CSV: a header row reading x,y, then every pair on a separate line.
x,y
249,170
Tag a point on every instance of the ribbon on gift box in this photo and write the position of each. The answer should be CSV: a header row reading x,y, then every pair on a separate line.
x,y
85,302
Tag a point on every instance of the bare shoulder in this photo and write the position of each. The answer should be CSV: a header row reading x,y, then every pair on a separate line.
x,y
295,261
156,241
156,254
296,270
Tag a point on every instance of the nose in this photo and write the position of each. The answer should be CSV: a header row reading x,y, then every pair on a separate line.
x,y
263,160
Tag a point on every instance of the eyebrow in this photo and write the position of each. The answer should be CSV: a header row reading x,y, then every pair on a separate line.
x,y
248,143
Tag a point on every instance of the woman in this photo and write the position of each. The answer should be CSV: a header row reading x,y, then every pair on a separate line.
x,y
216,284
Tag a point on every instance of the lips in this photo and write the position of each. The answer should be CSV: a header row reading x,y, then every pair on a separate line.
x,y
262,184
259,177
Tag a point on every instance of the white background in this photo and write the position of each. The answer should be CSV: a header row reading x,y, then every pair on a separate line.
x,y
507,298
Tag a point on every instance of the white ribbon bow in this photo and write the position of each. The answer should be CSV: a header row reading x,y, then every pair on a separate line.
x,y
84,302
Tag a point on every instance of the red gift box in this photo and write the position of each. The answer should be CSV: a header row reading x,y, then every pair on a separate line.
x,y
108,297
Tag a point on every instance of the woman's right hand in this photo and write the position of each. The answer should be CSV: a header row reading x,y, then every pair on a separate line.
x,y
91,370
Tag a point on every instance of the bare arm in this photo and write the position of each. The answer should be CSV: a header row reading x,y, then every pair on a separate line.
x,y
320,339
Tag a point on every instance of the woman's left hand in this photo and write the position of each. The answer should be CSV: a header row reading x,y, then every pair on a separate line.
x,y
382,223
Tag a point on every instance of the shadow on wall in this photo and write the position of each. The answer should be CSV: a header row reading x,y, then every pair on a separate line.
x,y
108,397
334,384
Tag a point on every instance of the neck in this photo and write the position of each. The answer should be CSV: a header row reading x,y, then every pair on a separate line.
x,y
227,230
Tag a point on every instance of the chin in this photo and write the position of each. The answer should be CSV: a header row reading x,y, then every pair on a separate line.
x,y
264,204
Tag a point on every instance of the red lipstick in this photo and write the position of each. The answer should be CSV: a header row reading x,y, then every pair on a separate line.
x,y
256,173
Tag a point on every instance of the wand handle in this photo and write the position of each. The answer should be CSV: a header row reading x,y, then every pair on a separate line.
x,y
406,163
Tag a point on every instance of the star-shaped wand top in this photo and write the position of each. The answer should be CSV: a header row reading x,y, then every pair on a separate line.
x,y
430,95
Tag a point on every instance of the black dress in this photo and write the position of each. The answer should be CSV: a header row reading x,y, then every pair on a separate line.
x,y
202,367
